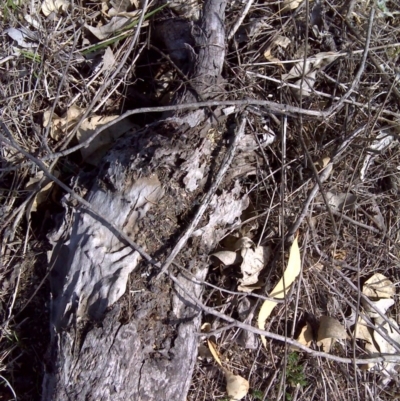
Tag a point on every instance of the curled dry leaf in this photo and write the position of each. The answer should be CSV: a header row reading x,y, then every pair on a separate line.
x,y
228,258
254,260
48,6
59,126
237,387
292,271
378,286
329,331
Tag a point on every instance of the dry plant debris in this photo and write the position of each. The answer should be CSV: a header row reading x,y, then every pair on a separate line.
x,y
281,290
68,68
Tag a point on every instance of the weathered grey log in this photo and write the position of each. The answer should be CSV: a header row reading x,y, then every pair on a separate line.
x,y
144,346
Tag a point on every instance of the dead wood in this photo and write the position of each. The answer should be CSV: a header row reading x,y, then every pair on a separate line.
x,y
145,346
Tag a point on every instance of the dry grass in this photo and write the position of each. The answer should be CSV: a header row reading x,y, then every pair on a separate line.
x,y
349,248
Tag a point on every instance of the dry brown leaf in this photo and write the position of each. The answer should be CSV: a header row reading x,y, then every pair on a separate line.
x,y
61,125
329,331
236,386
99,146
292,271
288,5
228,258
306,335
44,192
378,286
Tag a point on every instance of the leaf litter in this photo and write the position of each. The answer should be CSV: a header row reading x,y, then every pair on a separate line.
x,y
375,166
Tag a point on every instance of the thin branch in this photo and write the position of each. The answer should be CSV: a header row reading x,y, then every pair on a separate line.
x,y
374,359
240,20
360,71
322,178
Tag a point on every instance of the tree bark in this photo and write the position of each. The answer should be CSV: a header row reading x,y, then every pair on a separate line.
x,y
144,346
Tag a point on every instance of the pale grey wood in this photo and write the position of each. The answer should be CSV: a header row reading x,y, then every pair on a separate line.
x,y
147,182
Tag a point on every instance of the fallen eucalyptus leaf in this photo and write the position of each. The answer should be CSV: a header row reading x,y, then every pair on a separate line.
x,y
292,271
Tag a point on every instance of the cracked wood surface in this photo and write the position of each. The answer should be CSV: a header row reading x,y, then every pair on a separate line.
x,y
145,346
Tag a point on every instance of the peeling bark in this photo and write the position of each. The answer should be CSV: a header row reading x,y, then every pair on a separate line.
x,y
144,346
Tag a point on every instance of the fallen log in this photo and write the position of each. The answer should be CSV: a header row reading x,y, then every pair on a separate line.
x,y
119,332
